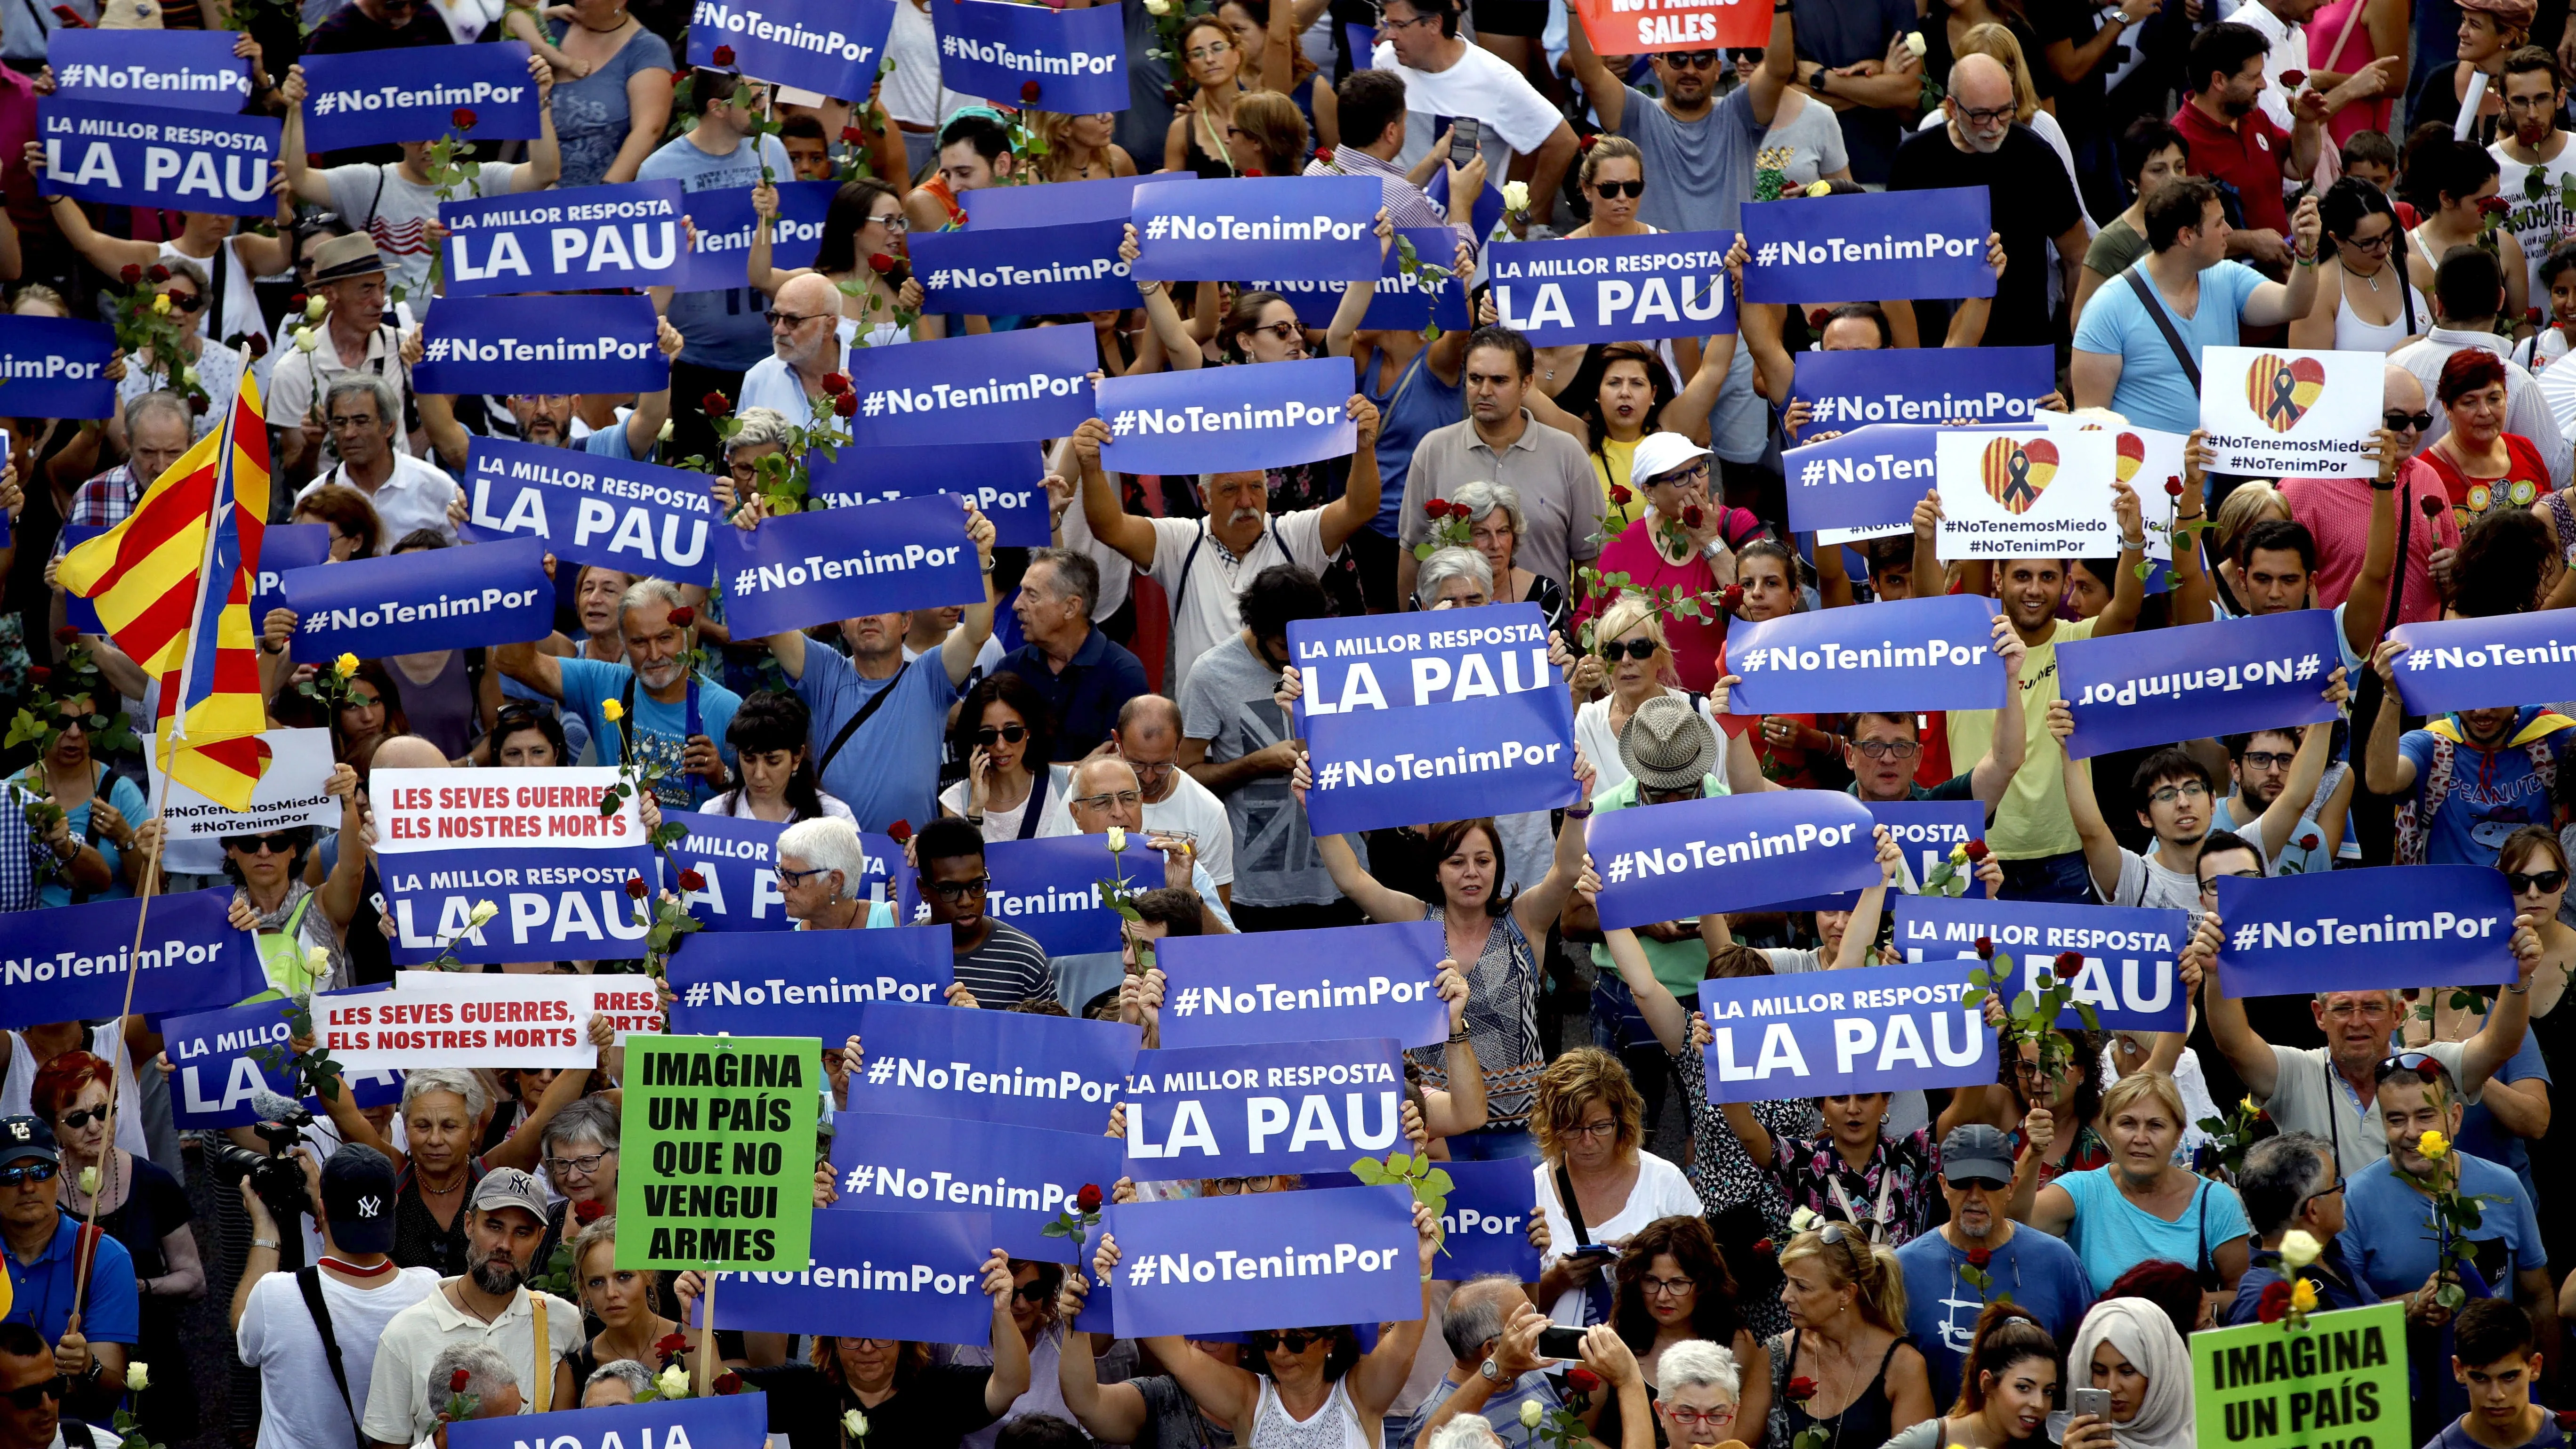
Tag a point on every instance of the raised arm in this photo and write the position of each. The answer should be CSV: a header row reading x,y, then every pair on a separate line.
x,y
307,183
2129,594
1109,522
2307,768
975,626
2367,605
348,878
2102,852
1607,92
1538,906
2274,304
2247,1054
1993,773
2385,768
653,409
1110,1413
1345,516
1356,296
1180,349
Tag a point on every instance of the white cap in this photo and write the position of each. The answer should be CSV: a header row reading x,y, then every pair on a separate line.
x,y
1658,454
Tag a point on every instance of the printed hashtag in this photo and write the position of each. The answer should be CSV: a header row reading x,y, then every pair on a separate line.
x,y
1813,473
1619,868
697,994
746,582
1332,776
2246,936
858,1180
872,404
1123,424
1140,1274
2416,659
2309,666
1768,256
880,1071
1156,226
1187,1003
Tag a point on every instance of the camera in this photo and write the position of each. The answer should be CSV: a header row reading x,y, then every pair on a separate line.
x,y
275,1174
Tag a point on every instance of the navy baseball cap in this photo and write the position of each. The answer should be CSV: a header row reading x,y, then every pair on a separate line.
x,y
358,1199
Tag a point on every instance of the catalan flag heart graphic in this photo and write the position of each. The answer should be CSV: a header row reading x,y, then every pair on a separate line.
x,y
2280,390
2017,472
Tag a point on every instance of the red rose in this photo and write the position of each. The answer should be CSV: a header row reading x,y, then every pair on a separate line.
x,y
900,831
1802,1388
1587,143
2567,1420
2173,487
836,383
1582,1380
2069,963
158,273
1436,509
1620,495
715,405
456,1381
586,1211
1766,1247
1986,947
636,887
1324,154
258,345
1980,1257
728,1382
2294,78
66,635
723,55
1028,93
1692,517
129,274
846,405
2274,1302
198,404
1976,851
1733,598
40,673
2432,507
1461,512
1817,317
2531,315
690,880
461,118
669,1344
853,135
2308,840
295,303
1088,1200
2493,206
683,616
880,263
1252,171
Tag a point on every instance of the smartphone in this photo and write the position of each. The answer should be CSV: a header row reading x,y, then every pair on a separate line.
x,y
1560,1343
2096,1402
1464,137
1591,1250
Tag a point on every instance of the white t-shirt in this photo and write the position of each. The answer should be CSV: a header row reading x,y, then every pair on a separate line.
x,y
2307,1097
300,1402
2289,52
1594,737
1661,1192
1205,613
1191,806
1517,120
393,208
1002,824
399,1408
2536,224
2144,882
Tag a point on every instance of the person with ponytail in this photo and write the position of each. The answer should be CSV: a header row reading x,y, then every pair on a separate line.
x,y
1844,1366
2008,1388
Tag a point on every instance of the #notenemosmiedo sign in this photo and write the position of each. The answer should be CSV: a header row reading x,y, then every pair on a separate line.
x,y
1871,1029
2291,414
533,846
1443,715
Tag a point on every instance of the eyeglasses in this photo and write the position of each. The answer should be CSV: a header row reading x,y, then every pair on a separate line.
x,y
1655,1287
2402,422
343,422
894,221
21,1173
2188,790
28,1397
2346,1011
1103,802
2544,881
1691,59
1982,118
2424,1062
792,320
1606,1128
2375,245
572,1166
1681,477
1888,749
1698,1418
1294,1340
1833,1234
1005,734
1385,24
1210,52
1160,769
2267,759
958,890
2328,1192
1611,189
1637,649
2209,887
82,1118
788,877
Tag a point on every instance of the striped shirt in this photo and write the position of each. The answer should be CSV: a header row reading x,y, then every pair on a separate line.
x,y
1007,969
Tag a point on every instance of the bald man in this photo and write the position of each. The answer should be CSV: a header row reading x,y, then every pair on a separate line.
x,y
805,346
1148,738
1981,143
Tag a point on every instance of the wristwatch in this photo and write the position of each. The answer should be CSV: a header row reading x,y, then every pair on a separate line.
x,y
1492,1371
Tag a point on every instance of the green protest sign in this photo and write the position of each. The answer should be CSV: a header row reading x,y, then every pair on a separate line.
x,y
718,1133
2338,1381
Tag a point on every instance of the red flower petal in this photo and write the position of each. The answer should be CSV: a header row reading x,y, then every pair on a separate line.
x,y
461,118
457,1381
1028,93
129,274
683,616
900,831
690,880
636,887
880,263
847,405
2173,487
1986,947
715,405
723,55
836,383
158,273
1976,850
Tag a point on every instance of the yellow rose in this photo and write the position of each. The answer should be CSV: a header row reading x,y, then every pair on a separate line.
x,y
161,304
345,665
2433,1145
1959,853
2303,1298
2248,1105
89,1179
2300,1248
611,710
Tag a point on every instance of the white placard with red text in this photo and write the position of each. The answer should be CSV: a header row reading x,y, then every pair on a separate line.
x,y
554,808
457,1019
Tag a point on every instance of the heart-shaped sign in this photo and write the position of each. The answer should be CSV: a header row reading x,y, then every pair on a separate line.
x,y
2132,452
2017,472
2280,390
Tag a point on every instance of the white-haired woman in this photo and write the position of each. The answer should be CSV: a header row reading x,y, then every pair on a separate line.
x,y
1698,1385
822,874
444,1111
764,433
1454,578
1628,664
1494,527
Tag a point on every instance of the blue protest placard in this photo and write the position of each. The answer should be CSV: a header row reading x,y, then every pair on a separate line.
x,y
55,367
1005,481
1609,289
2156,686
2127,975
70,962
1403,302
839,563
1487,1219
1219,419
80,613
282,547
830,46
1486,724
1869,477
639,518
2364,930
1248,1109
992,1066
724,222
223,1059
1484,214
552,903
1275,985
1878,244
1000,387
803,983
418,602
1026,1177
420,93
669,1423
1309,228
1923,385
913,1275
736,859
1898,654
1251,1261
1008,208
1068,61
2485,663
186,70
1049,888
1926,831
505,345
1732,853
139,155
1870,1029
997,272
563,241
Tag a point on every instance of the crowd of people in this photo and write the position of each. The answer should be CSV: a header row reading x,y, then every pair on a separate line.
x,y
2020,1261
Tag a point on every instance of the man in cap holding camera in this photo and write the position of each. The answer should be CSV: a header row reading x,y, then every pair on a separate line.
x,y
47,1252
312,1334
490,1304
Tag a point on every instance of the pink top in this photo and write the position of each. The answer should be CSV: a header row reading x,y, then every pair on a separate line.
x,y
1695,642
2337,512
2369,115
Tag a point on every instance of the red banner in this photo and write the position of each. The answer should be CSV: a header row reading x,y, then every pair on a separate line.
x,y
1636,27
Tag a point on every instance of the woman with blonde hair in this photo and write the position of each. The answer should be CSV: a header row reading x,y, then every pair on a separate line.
x,y
1267,135
1846,1303
1629,663
620,1298
1079,148
1596,1186
2139,1205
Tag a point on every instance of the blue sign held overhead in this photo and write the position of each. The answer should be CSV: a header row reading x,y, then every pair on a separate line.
x,y
831,46
917,1276
1845,390
1313,228
1252,1261
505,345
839,563
1487,1218
1403,302
2130,691
1241,990
1731,853
992,1066
1252,1109
1221,419
1005,481
1870,1029
1879,244
564,241
1926,831
1072,62
55,367
223,1059
1609,289
1001,387
186,70
1062,203
420,602
736,859
1050,888
1026,1177
2485,663
1869,477
1900,654
282,548
553,903
2127,974
724,224
157,157
803,983
71,962
420,93
1009,272
639,518
2365,930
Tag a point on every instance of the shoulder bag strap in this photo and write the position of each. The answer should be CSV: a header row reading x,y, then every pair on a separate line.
x,y
1188,561
309,1282
2156,312
1036,805
1565,1199
866,711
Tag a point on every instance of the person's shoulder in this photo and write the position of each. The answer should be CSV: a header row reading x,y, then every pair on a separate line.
x,y
423,470
1012,939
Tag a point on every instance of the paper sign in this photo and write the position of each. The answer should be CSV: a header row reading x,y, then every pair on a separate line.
x,y
802,569
506,345
1879,244
1622,29
1901,654
816,982
187,70
1318,228
2285,413
57,367
2127,975
2339,1379
915,1276
419,93
719,1136
155,156
1002,387
666,1423
1730,853
2365,930
1943,385
460,1019
637,518
223,1060
1005,481
1250,1110
425,600
1612,289
2485,663
992,1066
70,963
1072,62
1026,1177
1222,419
2024,494
563,241
2155,686
1252,1261
1233,990
289,794
554,807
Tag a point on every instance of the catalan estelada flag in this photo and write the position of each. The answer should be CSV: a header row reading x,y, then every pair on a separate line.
x,y
173,585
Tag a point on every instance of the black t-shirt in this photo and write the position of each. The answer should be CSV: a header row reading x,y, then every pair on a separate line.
x,y
933,1409
2032,202
349,29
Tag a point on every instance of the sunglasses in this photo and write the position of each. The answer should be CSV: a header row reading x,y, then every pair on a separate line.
x,y
1611,189
264,845
83,1117
2399,422
1637,649
27,1398
1033,1293
1693,59
2543,881
19,1174
1990,1184
1295,1340
185,301
1009,734
2410,1062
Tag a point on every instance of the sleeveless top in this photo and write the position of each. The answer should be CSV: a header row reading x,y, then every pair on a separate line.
x,y
441,709
1865,1421
419,1242
1502,1024
241,304
18,1086
1335,1426
2354,335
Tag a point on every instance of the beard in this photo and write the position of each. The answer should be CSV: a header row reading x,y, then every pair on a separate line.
x,y
498,1276
659,675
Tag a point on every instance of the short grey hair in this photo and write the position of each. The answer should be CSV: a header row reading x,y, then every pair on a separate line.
x,y
1467,1431
1080,771
826,843
1697,1363
648,591
1475,1314
1452,563
1480,498
625,1371
1074,573
183,267
584,1119
421,1081
2280,1174
162,401
486,1372
388,404
759,425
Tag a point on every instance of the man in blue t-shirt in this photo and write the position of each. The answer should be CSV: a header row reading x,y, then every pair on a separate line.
x,y
40,1245
665,718
2388,1211
1942,1296
879,721
2123,359
2466,780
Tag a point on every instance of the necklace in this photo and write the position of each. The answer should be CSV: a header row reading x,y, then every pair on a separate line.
x,y
421,1180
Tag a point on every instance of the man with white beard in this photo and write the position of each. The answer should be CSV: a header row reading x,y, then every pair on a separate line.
x,y
663,713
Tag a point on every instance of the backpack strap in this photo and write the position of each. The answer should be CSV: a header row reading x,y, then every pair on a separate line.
x,y
308,1281
2137,281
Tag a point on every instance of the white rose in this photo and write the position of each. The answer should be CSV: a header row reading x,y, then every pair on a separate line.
x,y
1515,196
672,1382
1158,7
89,1180
1803,1219
1117,838
306,339
854,1421
482,913
2299,1249
664,436
1914,43
317,963
1531,1413
314,307
136,1380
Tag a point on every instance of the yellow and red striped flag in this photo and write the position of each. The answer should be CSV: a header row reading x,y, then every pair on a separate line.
x,y
173,584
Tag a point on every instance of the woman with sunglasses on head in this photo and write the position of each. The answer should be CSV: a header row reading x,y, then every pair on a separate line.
x,y
216,370
865,222
1301,1388
1079,148
2365,302
772,780
1628,664
1003,734
1846,1340
2007,1387
1673,1288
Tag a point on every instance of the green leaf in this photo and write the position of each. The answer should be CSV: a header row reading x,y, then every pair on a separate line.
x,y
1399,1164
1437,1182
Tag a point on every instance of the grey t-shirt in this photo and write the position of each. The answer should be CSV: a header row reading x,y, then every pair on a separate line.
x,y
2146,883
1813,138
2306,1097
1697,172
723,330
1172,1421
1227,702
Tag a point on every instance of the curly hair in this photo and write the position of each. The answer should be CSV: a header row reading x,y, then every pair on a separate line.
x,y
1688,1242
1573,1082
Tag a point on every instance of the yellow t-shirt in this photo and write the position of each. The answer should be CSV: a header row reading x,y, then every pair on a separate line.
x,y
2032,821
1610,465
